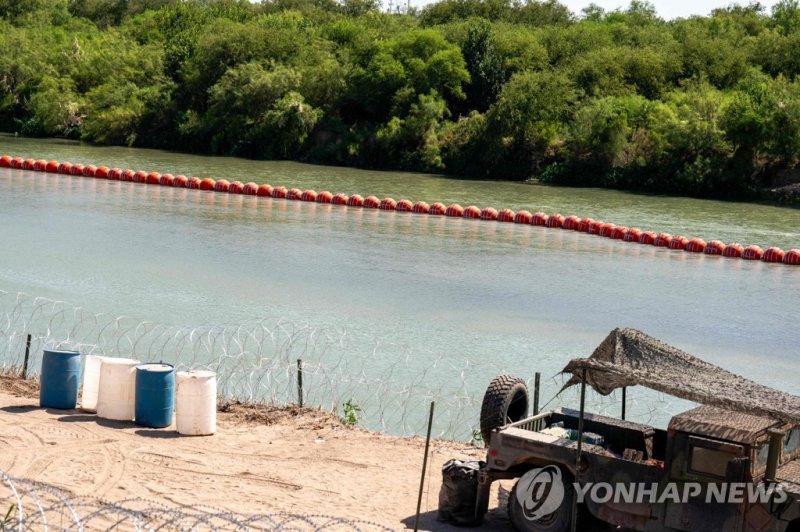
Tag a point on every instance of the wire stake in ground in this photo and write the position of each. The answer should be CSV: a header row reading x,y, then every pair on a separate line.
x,y
424,467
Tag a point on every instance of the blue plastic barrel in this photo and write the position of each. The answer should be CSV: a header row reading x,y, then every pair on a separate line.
x,y
60,375
155,395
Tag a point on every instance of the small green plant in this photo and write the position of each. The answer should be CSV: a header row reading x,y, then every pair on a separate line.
x,y
352,413
477,437
5,524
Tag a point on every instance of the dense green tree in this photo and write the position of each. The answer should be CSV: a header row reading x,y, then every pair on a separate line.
x,y
511,89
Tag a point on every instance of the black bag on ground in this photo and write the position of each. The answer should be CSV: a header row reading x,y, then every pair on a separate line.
x,y
459,492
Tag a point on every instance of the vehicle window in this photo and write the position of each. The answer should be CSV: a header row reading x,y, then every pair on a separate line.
x,y
791,442
760,455
710,461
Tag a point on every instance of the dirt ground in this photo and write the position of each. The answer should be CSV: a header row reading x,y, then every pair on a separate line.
x,y
260,461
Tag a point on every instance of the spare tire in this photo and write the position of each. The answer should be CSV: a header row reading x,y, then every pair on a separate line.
x,y
505,401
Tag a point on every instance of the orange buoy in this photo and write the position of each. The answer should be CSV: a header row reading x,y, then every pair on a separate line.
x,y
421,207
29,164
632,235
180,181
17,162
309,195
127,175
571,222
101,172
606,229
405,205
279,192
471,212
264,190
193,183
792,257
454,209
505,215
153,178
371,202
39,165
355,201
437,209
555,220
5,161
65,168
662,240
647,238
339,199
523,217
237,187
89,170
773,254
207,184
752,252
114,174
489,213
51,167
695,245
538,218
222,185
166,180
733,250
594,227
715,247
619,232
583,225
324,197
678,242
77,169
293,194
388,204
139,177
250,189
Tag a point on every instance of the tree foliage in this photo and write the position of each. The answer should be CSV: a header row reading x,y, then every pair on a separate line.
x,y
507,89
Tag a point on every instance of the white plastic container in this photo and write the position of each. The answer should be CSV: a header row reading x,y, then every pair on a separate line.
x,y
117,391
196,403
91,382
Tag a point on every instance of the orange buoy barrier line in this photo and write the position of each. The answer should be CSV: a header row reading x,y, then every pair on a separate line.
x,y
454,210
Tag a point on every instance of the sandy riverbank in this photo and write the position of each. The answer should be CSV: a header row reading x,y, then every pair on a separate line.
x,y
260,461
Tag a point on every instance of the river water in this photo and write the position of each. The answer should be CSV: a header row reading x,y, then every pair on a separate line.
x,y
520,298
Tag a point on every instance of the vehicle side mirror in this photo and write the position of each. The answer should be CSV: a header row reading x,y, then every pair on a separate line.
x,y
737,469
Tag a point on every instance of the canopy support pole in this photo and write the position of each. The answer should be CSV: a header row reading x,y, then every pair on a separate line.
x,y
624,390
574,520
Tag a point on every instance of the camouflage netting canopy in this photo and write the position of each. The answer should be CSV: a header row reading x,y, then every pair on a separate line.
x,y
628,357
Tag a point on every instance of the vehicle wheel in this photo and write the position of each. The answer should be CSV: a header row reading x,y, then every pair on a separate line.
x,y
505,401
557,521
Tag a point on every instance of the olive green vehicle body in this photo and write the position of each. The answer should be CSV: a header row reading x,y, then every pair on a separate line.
x,y
704,445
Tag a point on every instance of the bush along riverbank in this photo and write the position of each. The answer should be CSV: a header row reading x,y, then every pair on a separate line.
x,y
706,106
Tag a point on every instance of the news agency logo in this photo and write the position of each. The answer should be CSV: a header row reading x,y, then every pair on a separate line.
x,y
540,492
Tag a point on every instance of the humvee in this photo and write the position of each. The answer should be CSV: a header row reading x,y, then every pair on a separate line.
x,y
732,463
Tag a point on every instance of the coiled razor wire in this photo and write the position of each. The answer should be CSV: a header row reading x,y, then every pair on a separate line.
x,y
30,505
256,362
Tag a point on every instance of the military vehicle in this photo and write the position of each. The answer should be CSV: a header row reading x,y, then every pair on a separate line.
x,y
730,464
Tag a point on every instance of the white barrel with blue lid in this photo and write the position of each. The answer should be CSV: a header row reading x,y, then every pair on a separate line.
x,y
117,391
196,403
155,395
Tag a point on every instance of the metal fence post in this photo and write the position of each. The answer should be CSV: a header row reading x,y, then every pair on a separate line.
x,y
27,353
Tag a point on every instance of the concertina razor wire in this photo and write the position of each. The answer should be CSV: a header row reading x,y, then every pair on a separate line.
x,y
257,362
30,505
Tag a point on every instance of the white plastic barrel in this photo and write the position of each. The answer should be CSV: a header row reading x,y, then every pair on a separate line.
x,y
117,390
91,382
196,403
